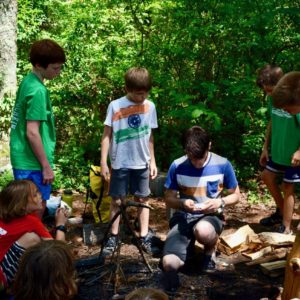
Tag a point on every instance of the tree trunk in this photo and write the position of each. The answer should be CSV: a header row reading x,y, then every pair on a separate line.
x,y
8,47
291,287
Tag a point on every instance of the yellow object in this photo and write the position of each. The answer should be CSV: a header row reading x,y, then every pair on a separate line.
x,y
96,182
67,197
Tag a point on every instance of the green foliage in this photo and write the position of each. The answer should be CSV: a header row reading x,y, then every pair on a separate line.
x,y
6,106
203,56
5,178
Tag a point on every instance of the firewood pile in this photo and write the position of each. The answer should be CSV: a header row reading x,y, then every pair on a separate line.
x,y
268,249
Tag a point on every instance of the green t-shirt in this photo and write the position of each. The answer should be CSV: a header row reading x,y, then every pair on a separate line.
x,y
285,135
32,104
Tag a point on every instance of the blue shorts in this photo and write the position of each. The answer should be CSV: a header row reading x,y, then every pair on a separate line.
x,y
290,174
37,177
136,179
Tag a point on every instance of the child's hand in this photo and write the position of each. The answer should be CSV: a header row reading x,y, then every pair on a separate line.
x,y
61,216
153,170
209,206
264,157
296,159
105,172
48,175
188,205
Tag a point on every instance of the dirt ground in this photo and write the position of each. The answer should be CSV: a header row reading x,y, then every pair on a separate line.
x,y
113,279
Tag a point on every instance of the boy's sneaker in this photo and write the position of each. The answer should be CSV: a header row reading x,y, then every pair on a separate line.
x,y
170,281
208,264
281,229
110,245
148,245
275,218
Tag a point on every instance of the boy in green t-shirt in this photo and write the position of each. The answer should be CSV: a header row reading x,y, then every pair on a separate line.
x,y
279,154
32,136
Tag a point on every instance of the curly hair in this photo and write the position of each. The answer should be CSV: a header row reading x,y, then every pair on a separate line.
x,y
268,75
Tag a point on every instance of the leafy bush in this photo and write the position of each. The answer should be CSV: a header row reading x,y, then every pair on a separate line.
x,y
5,178
203,56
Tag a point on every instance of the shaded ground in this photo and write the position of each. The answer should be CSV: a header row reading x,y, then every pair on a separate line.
x,y
233,280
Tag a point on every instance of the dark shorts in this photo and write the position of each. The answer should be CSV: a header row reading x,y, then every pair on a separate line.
x,y
37,177
10,262
181,240
137,180
290,174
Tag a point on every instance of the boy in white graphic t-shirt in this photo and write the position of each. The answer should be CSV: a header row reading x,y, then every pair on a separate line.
x,y
128,139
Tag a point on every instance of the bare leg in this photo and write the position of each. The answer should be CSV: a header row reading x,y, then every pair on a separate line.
x,y
205,234
143,217
288,208
269,178
114,208
171,262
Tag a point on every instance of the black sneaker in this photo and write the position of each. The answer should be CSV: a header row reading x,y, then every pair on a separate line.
x,y
170,281
149,243
275,218
282,229
208,264
110,245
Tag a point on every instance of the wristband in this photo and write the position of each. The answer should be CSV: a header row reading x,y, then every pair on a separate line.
x,y
61,228
221,208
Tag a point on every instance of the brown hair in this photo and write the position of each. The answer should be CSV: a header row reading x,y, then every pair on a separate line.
x,y
269,75
196,142
287,91
47,272
147,294
14,199
45,52
138,79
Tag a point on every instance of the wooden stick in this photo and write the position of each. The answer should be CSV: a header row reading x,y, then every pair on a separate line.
x,y
278,254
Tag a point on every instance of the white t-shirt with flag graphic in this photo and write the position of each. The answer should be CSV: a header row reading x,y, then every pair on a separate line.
x,y
131,126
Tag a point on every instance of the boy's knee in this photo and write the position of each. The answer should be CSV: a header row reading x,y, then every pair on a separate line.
x,y
205,233
141,200
171,262
116,202
288,188
29,239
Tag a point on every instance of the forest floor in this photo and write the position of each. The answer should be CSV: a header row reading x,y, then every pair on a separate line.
x,y
233,279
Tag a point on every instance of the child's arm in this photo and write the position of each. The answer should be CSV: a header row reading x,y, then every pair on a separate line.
x,y
36,144
153,168
264,157
106,139
61,217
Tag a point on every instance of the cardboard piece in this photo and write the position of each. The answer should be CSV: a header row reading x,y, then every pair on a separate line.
x,y
239,237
